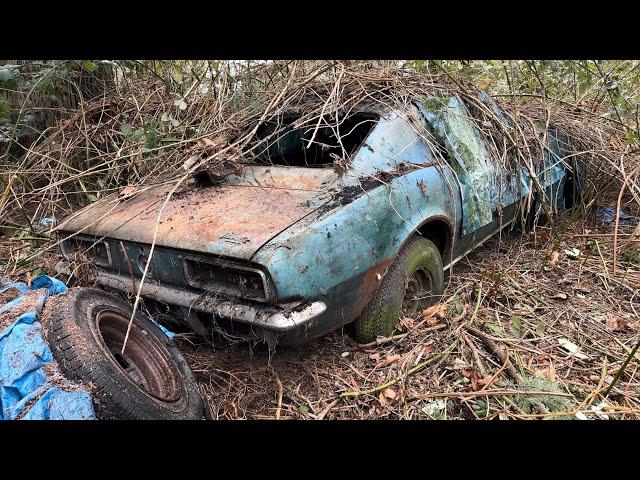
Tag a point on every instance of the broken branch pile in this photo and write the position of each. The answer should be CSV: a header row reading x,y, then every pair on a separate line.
x,y
139,131
545,328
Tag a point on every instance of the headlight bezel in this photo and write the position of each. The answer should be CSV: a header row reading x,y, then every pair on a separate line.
x,y
224,276
85,244
225,268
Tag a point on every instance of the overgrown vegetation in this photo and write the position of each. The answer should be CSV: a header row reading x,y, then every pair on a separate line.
x,y
73,132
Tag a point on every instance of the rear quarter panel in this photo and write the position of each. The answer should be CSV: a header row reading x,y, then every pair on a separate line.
x,y
341,243
340,253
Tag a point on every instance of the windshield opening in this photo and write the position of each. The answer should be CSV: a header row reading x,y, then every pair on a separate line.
x,y
291,145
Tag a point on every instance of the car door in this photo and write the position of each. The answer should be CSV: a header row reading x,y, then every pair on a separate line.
x,y
478,176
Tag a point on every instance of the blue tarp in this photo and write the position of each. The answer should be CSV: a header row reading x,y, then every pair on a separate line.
x,y
31,385
608,215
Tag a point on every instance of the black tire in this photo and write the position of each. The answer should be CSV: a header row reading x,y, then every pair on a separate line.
x,y
86,333
381,315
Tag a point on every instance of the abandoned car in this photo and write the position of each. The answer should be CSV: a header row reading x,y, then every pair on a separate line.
x,y
322,229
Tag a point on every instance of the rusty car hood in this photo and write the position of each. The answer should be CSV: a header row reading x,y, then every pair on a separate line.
x,y
233,219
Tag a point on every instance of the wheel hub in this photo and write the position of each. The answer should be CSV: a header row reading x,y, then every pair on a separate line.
x,y
418,292
144,361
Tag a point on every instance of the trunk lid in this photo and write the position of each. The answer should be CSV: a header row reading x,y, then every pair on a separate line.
x,y
233,219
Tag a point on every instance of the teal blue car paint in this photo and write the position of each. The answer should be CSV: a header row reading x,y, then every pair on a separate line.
x,y
282,237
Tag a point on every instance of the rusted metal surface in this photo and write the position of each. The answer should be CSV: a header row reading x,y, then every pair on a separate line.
x,y
319,240
145,360
232,219
278,319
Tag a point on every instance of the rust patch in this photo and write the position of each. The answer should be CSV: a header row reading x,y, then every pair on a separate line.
x,y
371,282
225,219
293,178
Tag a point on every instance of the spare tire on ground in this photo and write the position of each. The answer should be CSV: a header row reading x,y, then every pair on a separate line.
x,y
150,380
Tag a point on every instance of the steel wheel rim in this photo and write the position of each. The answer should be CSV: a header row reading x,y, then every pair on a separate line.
x,y
145,361
418,291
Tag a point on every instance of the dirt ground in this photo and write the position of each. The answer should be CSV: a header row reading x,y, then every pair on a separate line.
x,y
532,326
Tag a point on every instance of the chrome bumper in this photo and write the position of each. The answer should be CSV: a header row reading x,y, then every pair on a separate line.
x,y
268,317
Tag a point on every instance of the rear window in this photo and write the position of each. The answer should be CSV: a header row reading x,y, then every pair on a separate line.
x,y
289,144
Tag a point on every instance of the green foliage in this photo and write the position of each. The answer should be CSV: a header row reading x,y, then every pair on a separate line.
x,y
89,66
148,136
25,90
481,407
10,78
5,109
36,95
553,403
611,87
516,326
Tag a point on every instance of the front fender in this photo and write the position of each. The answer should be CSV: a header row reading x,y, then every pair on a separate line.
x,y
353,244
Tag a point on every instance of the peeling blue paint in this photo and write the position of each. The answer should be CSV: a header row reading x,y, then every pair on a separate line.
x,y
325,235
476,171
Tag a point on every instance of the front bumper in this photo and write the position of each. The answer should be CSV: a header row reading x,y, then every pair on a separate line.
x,y
271,318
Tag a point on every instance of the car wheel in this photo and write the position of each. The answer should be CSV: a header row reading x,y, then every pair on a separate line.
x,y
412,283
150,380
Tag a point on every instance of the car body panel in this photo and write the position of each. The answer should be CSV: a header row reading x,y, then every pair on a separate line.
x,y
233,219
485,182
328,248
329,235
